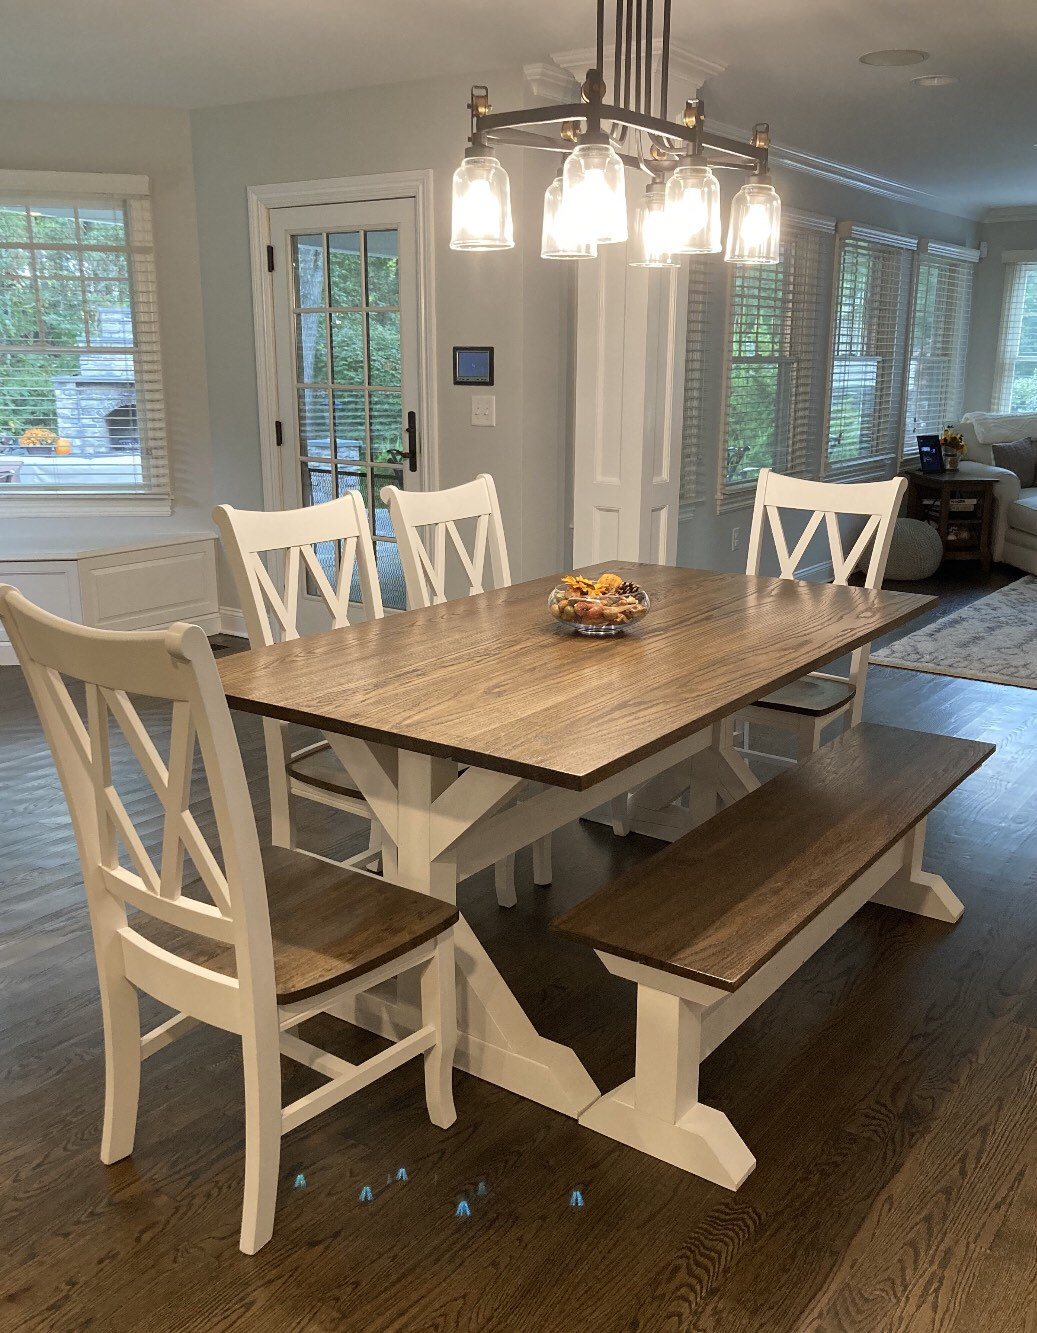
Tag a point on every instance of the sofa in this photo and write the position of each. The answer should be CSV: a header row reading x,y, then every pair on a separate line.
x,y
1015,518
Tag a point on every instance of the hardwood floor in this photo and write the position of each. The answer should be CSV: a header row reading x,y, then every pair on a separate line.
x,y
888,1091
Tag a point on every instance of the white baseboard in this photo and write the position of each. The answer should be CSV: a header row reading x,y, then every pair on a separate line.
x,y
232,622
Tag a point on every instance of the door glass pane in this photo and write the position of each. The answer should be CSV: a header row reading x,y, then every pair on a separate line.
x,y
308,265
347,348
383,284
311,352
380,521
344,262
386,427
384,335
314,433
316,483
350,427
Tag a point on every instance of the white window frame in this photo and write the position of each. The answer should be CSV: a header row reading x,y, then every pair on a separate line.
x,y
1017,263
84,187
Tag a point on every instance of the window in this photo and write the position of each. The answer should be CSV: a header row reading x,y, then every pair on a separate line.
x,y
702,357
1015,388
776,351
81,407
939,339
870,320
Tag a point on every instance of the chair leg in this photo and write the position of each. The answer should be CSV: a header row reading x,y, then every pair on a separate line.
x,y
262,1064
120,1011
542,871
619,808
504,881
808,736
374,842
439,1009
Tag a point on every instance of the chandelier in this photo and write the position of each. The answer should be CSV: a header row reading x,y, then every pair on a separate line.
x,y
586,204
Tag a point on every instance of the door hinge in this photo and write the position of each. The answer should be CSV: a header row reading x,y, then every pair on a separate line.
x,y
278,434
270,259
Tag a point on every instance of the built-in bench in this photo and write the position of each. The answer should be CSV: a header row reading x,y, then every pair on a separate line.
x,y
710,927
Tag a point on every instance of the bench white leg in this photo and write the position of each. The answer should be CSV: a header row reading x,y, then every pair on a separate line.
x,y
619,809
658,1110
917,890
439,1010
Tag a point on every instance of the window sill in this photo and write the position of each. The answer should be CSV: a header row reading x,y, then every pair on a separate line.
x,y
55,505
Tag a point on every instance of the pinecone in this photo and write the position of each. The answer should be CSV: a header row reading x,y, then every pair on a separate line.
x,y
628,589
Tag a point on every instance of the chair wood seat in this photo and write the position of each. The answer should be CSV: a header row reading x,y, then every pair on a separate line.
x,y
810,696
714,906
321,768
328,925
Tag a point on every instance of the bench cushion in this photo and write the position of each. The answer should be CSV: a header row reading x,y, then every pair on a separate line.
x,y
718,903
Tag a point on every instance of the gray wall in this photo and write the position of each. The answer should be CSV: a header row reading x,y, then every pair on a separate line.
x,y
705,538
987,296
146,141
511,300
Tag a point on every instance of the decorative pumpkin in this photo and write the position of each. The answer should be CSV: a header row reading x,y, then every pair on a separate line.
x,y
62,446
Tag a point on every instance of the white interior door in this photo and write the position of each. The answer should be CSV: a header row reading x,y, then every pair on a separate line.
x,y
346,335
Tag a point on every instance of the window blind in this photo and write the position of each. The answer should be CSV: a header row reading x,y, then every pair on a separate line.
x,y
776,349
869,335
700,430
939,342
81,399
1015,384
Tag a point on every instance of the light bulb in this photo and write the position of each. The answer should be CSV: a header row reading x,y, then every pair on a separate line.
x,y
558,239
594,193
693,209
651,244
754,233
481,205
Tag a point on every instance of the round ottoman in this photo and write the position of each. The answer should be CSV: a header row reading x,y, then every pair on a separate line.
x,y
915,551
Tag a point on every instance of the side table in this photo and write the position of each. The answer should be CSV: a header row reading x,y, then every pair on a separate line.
x,y
961,509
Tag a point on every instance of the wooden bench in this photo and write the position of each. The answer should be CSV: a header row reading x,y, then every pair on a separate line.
x,y
710,927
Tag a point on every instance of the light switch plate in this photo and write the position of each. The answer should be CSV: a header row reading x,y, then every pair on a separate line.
x,y
484,409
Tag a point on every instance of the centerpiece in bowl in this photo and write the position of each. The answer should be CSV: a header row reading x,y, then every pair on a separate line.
x,y
603,606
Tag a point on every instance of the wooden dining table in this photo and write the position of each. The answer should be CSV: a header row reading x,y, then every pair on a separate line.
x,y
478,726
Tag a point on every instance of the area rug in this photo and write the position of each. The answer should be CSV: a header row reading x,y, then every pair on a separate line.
x,y
992,639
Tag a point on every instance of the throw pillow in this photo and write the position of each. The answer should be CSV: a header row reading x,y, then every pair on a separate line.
x,y
1019,457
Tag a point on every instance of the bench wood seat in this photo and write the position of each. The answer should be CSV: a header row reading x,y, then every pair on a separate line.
x,y
714,924
328,925
718,903
812,696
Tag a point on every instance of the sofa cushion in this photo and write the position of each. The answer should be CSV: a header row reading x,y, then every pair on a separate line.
x,y
982,429
1022,515
1019,457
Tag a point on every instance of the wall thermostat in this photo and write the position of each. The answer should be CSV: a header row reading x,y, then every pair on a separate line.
x,y
473,365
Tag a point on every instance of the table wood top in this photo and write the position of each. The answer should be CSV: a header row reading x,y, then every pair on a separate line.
x,y
494,681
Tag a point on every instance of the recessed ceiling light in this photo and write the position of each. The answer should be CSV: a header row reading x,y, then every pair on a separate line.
x,y
904,57
934,80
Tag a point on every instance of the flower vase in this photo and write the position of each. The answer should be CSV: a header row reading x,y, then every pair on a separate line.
x,y
950,460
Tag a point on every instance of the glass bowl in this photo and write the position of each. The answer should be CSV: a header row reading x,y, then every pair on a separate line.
x,y
610,613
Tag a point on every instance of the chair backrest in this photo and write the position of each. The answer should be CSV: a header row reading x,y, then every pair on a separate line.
x,y
338,525
877,502
177,666
424,561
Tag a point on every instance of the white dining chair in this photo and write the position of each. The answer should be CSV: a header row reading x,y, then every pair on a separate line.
x,y
427,572
312,772
252,941
808,705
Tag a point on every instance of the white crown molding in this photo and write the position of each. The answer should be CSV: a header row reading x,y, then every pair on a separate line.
x,y
1012,213
855,178
552,84
688,70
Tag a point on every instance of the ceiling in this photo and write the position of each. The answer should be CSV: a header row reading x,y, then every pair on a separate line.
x,y
970,145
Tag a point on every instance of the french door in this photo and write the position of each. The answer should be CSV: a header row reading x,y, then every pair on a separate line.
x,y
346,341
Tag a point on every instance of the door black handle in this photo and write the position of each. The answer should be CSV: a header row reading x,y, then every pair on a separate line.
x,y
412,440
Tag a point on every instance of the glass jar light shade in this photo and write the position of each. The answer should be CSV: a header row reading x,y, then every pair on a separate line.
x,y
754,234
481,212
650,246
557,240
594,193
693,210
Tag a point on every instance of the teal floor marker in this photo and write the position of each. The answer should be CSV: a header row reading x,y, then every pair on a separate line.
x,y
300,1181
402,1174
576,1199
463,1209
366,1194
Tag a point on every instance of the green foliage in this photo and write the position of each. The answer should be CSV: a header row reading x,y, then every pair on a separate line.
x,y
42,304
